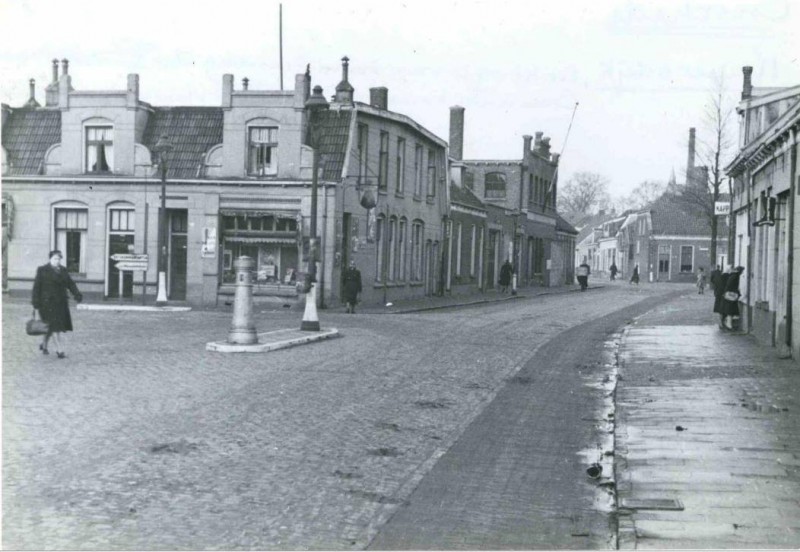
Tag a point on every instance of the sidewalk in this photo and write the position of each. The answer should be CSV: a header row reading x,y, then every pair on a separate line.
x,y
707,437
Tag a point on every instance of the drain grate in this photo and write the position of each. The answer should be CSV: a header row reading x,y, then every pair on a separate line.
x,y
652,504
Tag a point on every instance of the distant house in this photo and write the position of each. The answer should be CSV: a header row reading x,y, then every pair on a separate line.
x,y
587,244
765,210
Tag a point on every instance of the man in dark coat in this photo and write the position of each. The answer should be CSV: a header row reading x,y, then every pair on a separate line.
x,y
583,274
730,307
714,278
613,270
505,275
50,299
352,287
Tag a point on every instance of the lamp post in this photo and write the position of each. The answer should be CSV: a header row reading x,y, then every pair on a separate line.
x,y
315,104
162,148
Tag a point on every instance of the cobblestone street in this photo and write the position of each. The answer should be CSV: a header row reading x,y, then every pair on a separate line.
x,y
142,439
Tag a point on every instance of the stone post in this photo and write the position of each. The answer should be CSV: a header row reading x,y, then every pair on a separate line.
x,y
243,330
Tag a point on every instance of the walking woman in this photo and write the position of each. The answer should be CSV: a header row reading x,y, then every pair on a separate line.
x,y
719,291
730,299
50,299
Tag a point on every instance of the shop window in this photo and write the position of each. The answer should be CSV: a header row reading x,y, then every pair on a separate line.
x,y
687,258
262,151
70,234
495,185
99,149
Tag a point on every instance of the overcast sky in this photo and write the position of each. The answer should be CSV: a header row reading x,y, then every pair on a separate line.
x,y
641,71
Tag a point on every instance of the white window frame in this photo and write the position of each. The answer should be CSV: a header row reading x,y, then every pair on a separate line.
x,y
61,243
108,146
272,145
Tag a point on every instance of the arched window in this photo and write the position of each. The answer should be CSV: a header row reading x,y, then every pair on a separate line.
x,y
380,230
495,185
391,250
400,258
417,233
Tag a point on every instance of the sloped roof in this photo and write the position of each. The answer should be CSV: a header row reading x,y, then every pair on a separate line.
x,y
465,197
334,135
587,224
563,226
675,217
27,135
192,131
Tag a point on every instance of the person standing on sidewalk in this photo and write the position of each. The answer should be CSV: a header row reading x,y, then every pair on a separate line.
x,y
50,299
583,274
714,278
719,291
701,281
506,271
613,270
635,275
730,299
352,287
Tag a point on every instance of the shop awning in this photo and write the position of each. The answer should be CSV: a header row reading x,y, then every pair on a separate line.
x,y
258,213
259,239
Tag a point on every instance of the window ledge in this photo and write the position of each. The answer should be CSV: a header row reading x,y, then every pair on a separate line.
x,y
399,194
382,191
430,200
380,285
416,284
417,198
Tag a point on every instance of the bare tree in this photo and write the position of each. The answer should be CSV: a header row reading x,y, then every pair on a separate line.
x,y
714,150
644,194
583,194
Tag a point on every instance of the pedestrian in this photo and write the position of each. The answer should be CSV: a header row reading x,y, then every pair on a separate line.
x,y
583,274
50,299
714,278
719,290
701,281
613,270
635,275
730,299
505,276
352,287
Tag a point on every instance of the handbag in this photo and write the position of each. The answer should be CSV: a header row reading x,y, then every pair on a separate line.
x,y
730,296
36,326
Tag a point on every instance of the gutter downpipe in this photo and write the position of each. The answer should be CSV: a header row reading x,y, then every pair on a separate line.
x,y
749,182
790,256
324,246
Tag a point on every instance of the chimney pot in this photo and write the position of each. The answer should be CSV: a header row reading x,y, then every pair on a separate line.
x,y
245,82
55,70
747,82
344,90
379,97
32,84
537,139
457,132
65,66
526,142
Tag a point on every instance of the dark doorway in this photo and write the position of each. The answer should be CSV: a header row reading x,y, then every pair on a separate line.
x,y
178,229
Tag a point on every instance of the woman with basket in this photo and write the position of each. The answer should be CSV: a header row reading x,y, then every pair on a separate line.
x,y
50,299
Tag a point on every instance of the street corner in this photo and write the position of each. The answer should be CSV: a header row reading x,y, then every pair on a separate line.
x,y
274,341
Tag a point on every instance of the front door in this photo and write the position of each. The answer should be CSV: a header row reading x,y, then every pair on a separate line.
x,y
663,262
491,259
120,241
345,245
178,226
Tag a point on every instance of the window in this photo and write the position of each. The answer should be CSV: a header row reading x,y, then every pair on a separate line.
x,y
495,186
416,251
391,249
263,149
400,258
458,249
472,251
70,229
120,240
363,132
687,258
99,149
545,190
469,180
400,170
536,190
530,188
379,249
431,173
383,167
418,170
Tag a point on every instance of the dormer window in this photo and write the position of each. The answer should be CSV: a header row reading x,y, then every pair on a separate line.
x,y
263,151
99,149
495,185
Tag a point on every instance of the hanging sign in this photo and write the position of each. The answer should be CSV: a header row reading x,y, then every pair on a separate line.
x,y
722,208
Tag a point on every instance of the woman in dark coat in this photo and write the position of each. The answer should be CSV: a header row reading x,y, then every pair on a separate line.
x,y
731,307
352,287
50,299
719,291
635,275
505,276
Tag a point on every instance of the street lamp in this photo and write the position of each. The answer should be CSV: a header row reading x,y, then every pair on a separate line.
x,y
162,148
315,104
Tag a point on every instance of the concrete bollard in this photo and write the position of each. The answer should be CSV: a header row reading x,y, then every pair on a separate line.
x,y
243,330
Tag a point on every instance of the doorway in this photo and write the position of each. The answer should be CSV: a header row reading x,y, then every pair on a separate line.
x,y
178,234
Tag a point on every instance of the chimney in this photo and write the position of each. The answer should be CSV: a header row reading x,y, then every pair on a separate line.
x,y
379,97
457,132
227,90
302,88
537,140
55,70
132,98
65,66
526,144
555,157
245,82
544,147
32,103
747,84
344,91
690,174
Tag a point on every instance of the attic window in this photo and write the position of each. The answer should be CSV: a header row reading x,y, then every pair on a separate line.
x,y
262,151
99,149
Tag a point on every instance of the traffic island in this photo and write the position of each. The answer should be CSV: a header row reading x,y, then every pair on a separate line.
x,y
273,341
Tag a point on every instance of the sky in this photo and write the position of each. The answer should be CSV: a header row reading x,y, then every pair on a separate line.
x,y
642,72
